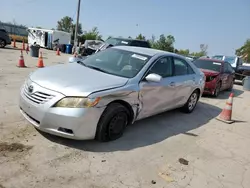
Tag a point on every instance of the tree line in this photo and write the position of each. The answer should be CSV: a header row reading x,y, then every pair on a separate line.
x,y
164,42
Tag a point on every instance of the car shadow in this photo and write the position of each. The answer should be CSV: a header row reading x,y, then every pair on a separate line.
x,y
225,94
148,131
12,48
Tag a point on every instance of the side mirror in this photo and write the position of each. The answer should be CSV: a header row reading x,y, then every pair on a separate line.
x,y
153,77
75,59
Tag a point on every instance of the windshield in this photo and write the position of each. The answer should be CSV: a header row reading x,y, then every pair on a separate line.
x,y
230,60
209,65
117,62
219,57
116,42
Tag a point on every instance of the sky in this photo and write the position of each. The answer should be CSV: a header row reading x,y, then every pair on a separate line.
x,y
223,24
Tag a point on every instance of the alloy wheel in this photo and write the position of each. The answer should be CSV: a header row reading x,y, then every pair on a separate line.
x,y
192,101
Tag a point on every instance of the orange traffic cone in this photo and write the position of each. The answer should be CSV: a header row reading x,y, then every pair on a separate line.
x,y
57,51
226,114
40,61
21,63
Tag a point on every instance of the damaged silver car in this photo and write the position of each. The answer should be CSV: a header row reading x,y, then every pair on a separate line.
x,y
101,95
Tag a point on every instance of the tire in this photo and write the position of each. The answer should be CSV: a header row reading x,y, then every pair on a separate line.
x,y
242,82
2,43
112,123
191,103
217,90
231,86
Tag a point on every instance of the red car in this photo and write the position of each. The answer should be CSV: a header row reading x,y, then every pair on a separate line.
x,y
219,75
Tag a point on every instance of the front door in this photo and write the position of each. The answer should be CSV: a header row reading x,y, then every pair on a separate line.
x,y
157,97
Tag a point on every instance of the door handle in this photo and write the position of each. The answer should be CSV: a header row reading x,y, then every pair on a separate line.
x,y
172,84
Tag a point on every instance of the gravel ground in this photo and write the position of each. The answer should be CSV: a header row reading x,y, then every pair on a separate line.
x,y
171,150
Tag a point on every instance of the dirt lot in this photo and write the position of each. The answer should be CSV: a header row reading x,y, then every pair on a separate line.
x,y
148,155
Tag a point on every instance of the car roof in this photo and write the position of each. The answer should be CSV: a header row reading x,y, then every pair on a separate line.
x,y
145,51
212,60
129,39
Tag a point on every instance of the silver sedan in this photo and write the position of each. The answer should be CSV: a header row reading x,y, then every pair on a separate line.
x,y
96,98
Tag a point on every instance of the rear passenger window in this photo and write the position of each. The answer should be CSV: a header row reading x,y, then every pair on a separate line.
x,y
140,44
181,67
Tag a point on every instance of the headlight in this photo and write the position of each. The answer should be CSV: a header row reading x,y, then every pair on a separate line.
x,y
210,78
77,102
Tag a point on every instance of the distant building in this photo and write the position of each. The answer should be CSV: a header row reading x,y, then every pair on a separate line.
x,y
13,29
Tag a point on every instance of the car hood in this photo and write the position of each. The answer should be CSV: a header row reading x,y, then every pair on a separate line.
x,y
74,79
209,72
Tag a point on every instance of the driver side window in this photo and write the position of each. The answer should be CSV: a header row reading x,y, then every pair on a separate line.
x,y
163,67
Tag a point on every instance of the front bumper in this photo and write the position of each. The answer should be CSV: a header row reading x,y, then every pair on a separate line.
x,y
73,123
209,88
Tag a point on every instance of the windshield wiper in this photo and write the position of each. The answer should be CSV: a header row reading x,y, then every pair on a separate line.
x,y
96,68
80,62
92,67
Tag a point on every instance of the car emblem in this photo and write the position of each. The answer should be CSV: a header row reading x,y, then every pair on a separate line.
x,y
30,89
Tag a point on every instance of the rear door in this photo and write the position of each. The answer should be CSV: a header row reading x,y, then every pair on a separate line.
x,y
184,80
227,76
231,74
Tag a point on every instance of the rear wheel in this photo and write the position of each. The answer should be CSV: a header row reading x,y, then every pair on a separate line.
x,y
112,123
191,103
2,43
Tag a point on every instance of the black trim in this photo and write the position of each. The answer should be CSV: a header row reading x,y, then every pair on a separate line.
x,y
187,64
155,61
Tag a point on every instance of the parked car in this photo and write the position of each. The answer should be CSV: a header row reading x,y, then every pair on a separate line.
x,y
219,75
123,42
235,61
90,46
108,91
241,70
191,58
4,38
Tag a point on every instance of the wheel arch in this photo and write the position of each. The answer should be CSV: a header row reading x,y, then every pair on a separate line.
x,y
198,90
126,105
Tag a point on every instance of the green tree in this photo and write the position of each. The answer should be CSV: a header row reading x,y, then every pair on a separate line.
x,y
244,51
183,52
66,24
164,43
202,52
93,34
141,37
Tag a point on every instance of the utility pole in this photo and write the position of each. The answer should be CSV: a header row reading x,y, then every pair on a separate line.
x,y
77,22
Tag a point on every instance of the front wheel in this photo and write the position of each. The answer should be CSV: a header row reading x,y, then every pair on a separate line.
x,y
191,103
217,90
231,86
112,123
2,43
